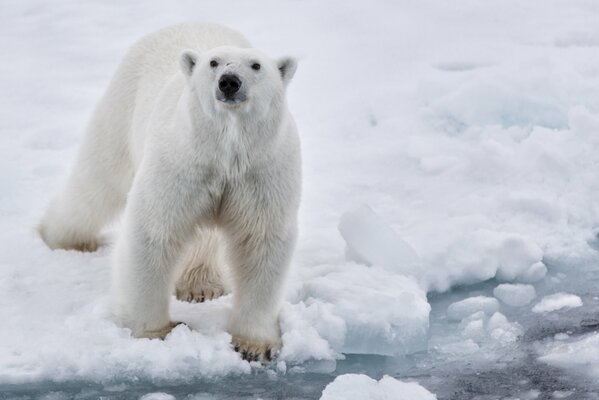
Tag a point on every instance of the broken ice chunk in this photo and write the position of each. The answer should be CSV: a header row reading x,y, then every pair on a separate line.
x,y
362,387
556,302
503,330
157,396
515,295
371,241
535,273
459,310
384,313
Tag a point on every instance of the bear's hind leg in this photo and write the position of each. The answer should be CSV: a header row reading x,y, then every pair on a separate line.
x,y
74,220
91,199
100,179
203,277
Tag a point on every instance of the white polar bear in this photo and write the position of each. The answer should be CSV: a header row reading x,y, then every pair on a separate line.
x,y
194,135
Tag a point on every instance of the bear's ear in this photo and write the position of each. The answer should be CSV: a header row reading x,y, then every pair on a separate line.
x,y
287,67
188,61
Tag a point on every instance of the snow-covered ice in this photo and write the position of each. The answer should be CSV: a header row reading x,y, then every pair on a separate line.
x,y
381,312
362,387
515,295
556,302
470,131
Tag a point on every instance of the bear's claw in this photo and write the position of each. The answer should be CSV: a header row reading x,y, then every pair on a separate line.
x,y
200,283
84,247
199,295
255,351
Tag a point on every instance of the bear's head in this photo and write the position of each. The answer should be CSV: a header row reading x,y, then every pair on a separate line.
x,y
241,80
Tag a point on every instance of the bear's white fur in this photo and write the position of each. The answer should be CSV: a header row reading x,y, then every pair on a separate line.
x,y
205,181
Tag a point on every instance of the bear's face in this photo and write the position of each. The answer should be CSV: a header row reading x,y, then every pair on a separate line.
x,y
234,79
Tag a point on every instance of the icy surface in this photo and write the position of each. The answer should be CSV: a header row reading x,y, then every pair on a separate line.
x,y
556,302
370,240
362,387
580,355
477,153
515,295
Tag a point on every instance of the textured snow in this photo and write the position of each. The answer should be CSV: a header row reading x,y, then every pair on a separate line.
x,y
515,295
362,387
468,129
556,302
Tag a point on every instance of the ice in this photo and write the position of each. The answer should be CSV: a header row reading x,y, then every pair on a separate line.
x,y
370,240
463,308
157,396
562,394
515,295
477,337
385,309
579,355
383,312
501,329
535,273
362,387
556,302
315,323
472,258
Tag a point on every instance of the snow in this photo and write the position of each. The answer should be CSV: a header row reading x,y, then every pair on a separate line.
x,y
444,145
556,302
463,308
515,295
362,387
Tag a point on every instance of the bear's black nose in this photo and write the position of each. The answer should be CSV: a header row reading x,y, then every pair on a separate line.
x,y
229,84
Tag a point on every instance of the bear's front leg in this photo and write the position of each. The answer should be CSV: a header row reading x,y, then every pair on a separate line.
x,y
261,251
142,278
160,218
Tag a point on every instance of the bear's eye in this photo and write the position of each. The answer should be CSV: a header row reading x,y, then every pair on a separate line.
x,y
213,64
255,66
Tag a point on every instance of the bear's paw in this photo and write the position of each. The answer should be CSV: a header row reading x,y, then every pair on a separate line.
x,y
252,350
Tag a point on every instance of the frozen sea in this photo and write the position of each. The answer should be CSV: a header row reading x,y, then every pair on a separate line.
x,y
449,223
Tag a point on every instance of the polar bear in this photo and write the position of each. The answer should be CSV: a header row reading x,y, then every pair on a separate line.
x,y
193,138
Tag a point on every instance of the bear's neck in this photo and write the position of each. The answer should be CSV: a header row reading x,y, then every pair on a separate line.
x,y
238,140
